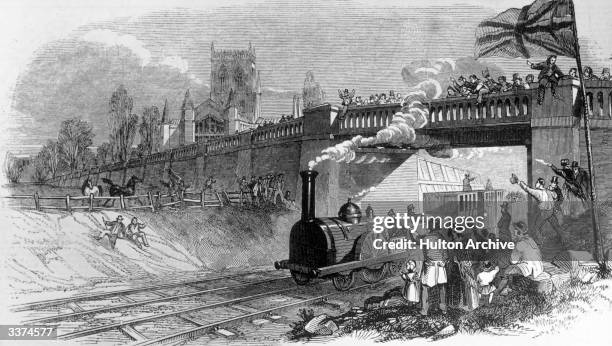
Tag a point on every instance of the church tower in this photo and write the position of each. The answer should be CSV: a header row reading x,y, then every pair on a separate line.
x,y
235,71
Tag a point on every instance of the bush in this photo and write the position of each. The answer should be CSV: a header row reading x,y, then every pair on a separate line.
x,y
13,168
297,328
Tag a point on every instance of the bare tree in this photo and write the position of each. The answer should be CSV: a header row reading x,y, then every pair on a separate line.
x,y
75,136
40,170
50,157
87,159
122,124
149,130
104,153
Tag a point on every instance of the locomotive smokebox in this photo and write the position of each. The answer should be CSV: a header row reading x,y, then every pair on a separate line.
x,y
308,195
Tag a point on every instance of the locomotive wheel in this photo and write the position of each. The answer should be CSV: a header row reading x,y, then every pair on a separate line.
x,y
300,278
343,281
374,272
371,276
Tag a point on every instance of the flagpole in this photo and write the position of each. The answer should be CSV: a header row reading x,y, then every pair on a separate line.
x,y
587,137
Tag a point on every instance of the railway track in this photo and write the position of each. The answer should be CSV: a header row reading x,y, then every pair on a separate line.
x,y
204,328
172,312
93,296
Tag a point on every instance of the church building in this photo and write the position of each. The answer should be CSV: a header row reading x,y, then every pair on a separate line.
x,y
234,104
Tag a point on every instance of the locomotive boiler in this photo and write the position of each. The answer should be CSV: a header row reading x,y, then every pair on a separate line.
x,y
335,247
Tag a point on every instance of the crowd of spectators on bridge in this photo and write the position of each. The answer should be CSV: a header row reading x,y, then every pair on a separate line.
x,y
475,86
349,99
265,123
282,119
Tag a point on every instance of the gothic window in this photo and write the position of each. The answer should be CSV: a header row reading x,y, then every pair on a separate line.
x,y
238,76
222,77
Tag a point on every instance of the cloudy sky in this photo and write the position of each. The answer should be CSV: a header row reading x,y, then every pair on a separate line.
x,y
64,60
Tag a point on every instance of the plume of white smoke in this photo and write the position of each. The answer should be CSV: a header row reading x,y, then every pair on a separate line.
x,y
432,70
363,192
449,61
401,130
426,79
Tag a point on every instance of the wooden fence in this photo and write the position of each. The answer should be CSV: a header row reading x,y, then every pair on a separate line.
x,y
150,201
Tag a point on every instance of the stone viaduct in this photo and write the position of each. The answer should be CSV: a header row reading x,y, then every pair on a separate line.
x,y
548,131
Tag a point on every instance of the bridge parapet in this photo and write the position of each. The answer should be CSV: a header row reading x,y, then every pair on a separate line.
x,y
187,151
160,157
509,107
224,142
599,94
367,119
495,109
291,128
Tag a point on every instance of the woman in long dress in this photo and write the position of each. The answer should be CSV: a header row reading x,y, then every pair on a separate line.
x,y
411,289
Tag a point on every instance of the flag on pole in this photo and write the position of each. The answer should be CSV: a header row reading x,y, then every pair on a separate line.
x,y
546,27
543,28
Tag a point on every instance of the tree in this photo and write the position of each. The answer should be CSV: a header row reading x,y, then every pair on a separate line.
x,y
104,153
75,136
87,158
50,157
149,130
122,124
312,94
13,167
40,171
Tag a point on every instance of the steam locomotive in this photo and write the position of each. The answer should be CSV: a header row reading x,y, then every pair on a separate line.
x,y
336,247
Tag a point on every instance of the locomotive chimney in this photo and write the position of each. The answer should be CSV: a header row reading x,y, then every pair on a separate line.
x,y
308,194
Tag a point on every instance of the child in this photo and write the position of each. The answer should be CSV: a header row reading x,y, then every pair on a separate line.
x,y
410,291
485,279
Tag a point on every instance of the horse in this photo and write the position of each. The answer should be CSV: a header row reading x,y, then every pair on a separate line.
x,y
117,190
89,189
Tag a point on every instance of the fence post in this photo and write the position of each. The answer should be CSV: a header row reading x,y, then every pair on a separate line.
x,y
91,196
229,201
221,204
122,202
151,201
36,200
202,198
68,203
158,199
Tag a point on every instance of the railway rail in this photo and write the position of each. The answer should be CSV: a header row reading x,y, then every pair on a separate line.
x,y
92,296
204,328
241,300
